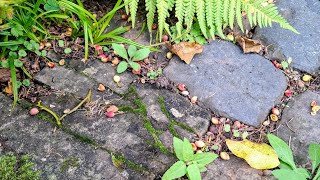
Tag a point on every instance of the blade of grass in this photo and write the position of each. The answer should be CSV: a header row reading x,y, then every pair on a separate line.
x,y
86,41
14,82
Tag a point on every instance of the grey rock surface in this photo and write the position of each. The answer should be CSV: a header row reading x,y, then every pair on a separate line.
x,y
233,169
56,154
104,72
67,80
299,127
236,85
303,48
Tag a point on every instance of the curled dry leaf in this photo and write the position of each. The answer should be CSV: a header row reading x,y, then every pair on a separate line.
x,y
101,88
9,88
185,50
249,45
258,156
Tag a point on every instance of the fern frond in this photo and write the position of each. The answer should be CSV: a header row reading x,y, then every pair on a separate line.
x,y
163,13
232,10
189,11
239,14
210,11
201,16
264,15
226,5
151,10
133,5
179,15
218,17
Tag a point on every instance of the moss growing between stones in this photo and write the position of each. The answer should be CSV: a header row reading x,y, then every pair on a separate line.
x,y
13,167
69,162
173,123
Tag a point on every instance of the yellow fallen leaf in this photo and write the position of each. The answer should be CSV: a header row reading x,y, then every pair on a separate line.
x,y
258,156
185,50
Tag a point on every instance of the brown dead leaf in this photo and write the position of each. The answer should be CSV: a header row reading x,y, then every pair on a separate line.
x,y
9,88
4,75
185,50
249,45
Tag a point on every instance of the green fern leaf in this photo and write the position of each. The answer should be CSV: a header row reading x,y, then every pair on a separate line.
x,y
200,10
210,14
218,17
179,15
239,14
232,10
151,10
133,4
189,11
163,13
126,5
226,5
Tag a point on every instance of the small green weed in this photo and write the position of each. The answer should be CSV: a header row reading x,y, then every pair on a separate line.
x,y
189,164
131,57
152,74
288,169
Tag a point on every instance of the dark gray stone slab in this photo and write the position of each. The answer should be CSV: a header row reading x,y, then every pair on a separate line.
x,y
299,127
56,154
235,169
240,86
67,80
104,72
303,48
189,114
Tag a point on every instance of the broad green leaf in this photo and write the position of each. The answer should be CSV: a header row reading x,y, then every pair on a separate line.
x,y
67,51
121,51
22,53
26,82
303,172
38,52
61,43
18,63
132,50
258,156
284,165
177,170
134,65
286,174
284,64
282,149
122,66
43,53
141,54
17,31
178,148
193,172
314,154
187,150
204,158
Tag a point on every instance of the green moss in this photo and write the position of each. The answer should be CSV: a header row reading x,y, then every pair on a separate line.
x,y
46,117
69,162
173,123
13,167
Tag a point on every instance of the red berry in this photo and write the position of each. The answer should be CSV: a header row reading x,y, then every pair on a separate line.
x,y
110,114
154,27
181,87
288,93
275,111
165,38
136,72
34,111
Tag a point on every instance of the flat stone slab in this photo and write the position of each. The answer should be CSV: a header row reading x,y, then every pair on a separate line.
x,y
56,154
299,127
67,80
236,85
303,48
104,72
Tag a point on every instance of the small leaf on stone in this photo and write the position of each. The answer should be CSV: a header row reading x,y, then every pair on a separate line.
x,y
258,156
249,45
122,66
177,170
185,50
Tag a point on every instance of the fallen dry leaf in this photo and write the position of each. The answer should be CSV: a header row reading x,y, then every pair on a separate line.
x,y
4,75
258,156
9,88
249,45
185,50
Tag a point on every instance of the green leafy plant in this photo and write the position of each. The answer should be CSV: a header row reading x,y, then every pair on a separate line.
x,y
152,74
288,168
189,164
13,168
195,35
130,56
213,15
